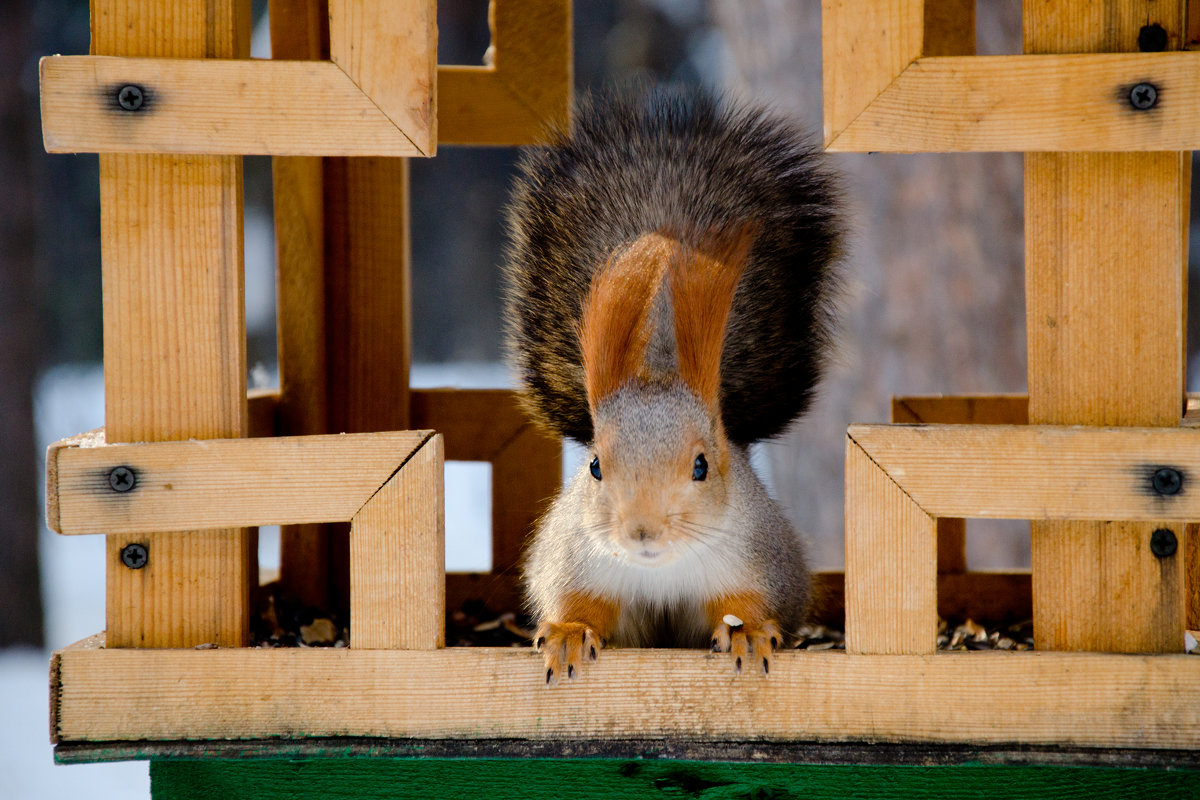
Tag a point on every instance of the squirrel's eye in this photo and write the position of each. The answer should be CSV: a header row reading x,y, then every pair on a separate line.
x,y
595,467
699,468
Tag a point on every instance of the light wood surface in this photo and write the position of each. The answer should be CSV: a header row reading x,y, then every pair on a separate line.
x,y
1070,699
389,51
223,482
1105,260
1038,472
891,563
174,332
1030,103
209,106
398,559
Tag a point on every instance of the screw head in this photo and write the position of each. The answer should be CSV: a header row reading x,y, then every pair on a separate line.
x,y
135,555
1143,96
122,479
1163,543
1167,480
130,97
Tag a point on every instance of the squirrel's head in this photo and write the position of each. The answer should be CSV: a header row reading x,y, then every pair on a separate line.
x,y
658,468
651,336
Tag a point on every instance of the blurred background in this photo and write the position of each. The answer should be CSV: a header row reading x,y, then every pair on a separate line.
x,y
933,300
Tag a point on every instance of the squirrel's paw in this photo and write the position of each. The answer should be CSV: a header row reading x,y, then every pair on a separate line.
x,y
751,648
565,646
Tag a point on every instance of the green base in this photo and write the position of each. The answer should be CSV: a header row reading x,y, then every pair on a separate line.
x,y
505,779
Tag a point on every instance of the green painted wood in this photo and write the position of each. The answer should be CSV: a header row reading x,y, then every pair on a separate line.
x,y
611,779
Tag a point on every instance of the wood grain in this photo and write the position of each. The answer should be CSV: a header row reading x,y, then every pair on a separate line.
x,y
215,483
1068,699
891,563
389,51
864,47
1030,103
398,558
1106,252
300,31
174,332
214,106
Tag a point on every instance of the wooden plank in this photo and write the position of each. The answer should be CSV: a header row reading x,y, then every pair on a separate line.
x,y
389,50
224,482
1105,310
1035,103
864,46
948,28
174,333
299,31
1067,699
1038,472
891,563
212,106
398,559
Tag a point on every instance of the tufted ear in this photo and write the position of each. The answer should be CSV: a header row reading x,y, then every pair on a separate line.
x,y
703,283
615,327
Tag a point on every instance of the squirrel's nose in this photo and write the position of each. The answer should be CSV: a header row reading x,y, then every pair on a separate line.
x,y
643,533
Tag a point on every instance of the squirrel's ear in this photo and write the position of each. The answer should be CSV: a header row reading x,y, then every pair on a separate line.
x,y
703,284
615,326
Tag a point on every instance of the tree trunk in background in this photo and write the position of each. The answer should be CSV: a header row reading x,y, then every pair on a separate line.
x,y
934,299
20,587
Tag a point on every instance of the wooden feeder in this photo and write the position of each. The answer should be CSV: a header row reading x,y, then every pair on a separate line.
x,y
186,463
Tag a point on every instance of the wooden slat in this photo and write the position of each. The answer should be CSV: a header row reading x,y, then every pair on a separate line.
x,y
389,50
1069,699
174,333
1031,103
1105,257
398,559
1000,409
1038,472
300,31
224,482
891,563
210,106
864,46
948,28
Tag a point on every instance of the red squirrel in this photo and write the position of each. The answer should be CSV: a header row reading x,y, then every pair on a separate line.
x,y
669,287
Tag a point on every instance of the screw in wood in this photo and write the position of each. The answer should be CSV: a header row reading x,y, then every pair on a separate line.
x,y
1143,96
1152,38
1167,480
122,479
135,555
130,97
1163,543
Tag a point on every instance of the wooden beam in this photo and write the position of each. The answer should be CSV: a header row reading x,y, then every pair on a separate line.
x,y
864,46
389,51
1068,699
178,486
208,106
1038,472
1105,259
891,563
398,559
1032,103
174,333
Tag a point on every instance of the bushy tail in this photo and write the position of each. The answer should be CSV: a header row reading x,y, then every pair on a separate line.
x,y
679,161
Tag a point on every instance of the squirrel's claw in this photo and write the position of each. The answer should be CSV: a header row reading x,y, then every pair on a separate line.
x,y
751,648
565,646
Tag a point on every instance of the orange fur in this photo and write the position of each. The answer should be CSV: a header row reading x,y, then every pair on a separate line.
x,y
598,613
703,284
615,330
749,607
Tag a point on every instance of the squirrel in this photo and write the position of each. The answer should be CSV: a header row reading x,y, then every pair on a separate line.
x,y
669,285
